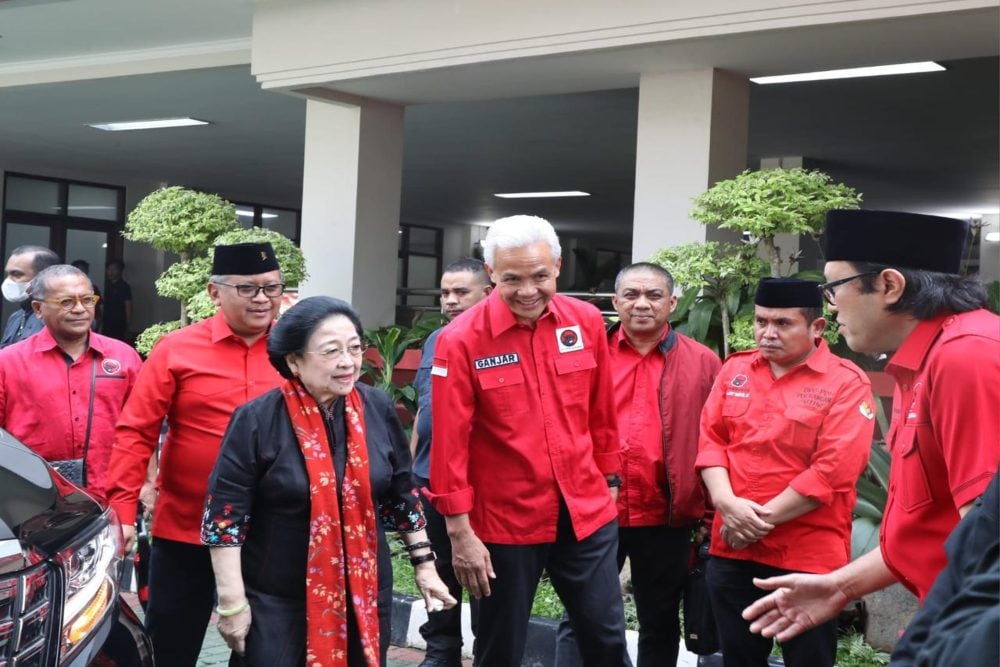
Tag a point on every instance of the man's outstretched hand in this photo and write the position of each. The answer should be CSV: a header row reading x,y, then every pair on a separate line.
x,y
798,602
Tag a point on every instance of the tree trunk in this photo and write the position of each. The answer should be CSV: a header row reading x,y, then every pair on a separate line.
x,y
724,311
773,255
184,313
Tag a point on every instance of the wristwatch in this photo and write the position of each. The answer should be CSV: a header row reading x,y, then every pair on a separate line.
x,y
615,481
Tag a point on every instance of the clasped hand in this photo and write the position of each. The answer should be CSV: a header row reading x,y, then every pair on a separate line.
x,y
743,522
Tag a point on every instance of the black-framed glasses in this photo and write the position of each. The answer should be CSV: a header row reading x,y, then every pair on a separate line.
x,y
87,301
827,289
248,291
332,354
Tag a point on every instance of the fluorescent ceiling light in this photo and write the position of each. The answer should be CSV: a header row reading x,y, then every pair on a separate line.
x,y
156,124
249,214
484,223
853,73
992,237
534,195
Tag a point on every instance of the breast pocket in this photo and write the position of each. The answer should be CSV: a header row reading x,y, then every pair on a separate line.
x,y
804,426
573,375
734,406
503,390
914,490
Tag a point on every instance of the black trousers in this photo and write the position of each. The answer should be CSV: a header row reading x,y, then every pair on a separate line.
x,y
731,590
181,597
443,629
658,558
585,576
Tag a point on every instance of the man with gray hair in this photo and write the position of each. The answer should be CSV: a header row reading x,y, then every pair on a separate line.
x,y
23,265
62,389
525,464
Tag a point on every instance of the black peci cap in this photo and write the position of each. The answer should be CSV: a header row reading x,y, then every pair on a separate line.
x,y
904,240
788,293
244,259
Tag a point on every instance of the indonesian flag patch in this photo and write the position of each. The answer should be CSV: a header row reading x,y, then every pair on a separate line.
x,y
440,367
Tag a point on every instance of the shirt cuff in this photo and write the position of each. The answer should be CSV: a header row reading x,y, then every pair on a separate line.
x,y
450,504
811,485
711,459
609,463
126,511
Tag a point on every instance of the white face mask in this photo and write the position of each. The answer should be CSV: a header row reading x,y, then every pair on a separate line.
x,y
13,291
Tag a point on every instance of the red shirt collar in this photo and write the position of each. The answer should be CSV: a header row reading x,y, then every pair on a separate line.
x,y
620,339
818,361
221,330
501,316
43,342
912,353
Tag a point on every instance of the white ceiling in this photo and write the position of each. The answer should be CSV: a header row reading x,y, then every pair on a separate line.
x,y
922,142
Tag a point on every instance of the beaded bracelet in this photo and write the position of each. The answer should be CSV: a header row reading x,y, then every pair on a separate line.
x,y
234,611
417,545
426,558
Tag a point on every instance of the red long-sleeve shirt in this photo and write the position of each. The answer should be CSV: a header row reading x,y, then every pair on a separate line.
x,y
944,438
810,429
45,398
522,417
195,377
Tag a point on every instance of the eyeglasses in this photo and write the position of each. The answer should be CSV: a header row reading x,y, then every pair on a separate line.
x,y
827,288
335,353
248,291
87,301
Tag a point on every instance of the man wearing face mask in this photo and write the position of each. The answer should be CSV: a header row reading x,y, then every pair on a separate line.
x,y
23,265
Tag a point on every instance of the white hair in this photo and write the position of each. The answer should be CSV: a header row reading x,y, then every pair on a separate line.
x,y
518,231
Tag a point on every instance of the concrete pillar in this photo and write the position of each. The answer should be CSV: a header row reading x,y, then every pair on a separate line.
x,y
692,133
350,204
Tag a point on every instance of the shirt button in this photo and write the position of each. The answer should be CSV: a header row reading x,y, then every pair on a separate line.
x,y
500,380
906,387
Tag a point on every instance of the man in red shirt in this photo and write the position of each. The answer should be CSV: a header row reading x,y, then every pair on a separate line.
x,y
894,286
661,380
61,390
195,377
525,450
784,436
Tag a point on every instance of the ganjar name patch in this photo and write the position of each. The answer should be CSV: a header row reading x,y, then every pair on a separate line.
x,y
496,360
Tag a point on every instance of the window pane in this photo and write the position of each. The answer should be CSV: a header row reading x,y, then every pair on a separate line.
x,y
280,220
86,201
31,194
244,216
91,247
423,240
423,275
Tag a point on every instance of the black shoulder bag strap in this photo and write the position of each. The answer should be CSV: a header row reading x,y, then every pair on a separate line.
x,y
90,414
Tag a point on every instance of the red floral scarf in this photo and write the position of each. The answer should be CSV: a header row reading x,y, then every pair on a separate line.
x,y
337,534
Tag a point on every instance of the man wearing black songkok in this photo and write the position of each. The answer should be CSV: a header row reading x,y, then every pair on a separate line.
x,y
195,377
895,287
784,435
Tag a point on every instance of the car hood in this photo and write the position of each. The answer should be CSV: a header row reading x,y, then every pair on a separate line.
x,y
40,512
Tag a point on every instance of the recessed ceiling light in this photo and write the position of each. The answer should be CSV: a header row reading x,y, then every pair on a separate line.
x,y
155,124
992,237
852,73
532,195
